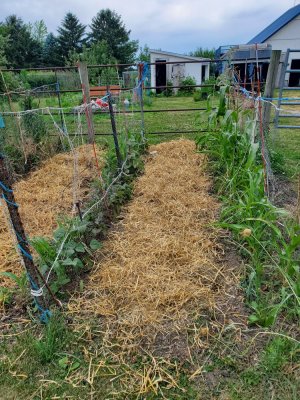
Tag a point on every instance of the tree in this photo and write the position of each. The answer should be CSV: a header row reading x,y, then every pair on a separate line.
x,y
38,31
51,55
203,52
144,54
97,53
3,45
71,35
107,25
22,50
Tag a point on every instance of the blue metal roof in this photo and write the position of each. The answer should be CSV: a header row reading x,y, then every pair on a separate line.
x,y
279,23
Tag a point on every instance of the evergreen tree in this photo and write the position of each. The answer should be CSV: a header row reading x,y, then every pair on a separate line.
x,y
71,35
107,25
22,50
51,55
3,45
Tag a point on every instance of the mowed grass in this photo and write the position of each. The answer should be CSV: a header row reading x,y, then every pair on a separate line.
x,y
286,141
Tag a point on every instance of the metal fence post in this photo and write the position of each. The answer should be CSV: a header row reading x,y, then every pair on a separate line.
x,y
114,128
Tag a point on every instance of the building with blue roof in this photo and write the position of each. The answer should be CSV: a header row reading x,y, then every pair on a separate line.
x,y
281,34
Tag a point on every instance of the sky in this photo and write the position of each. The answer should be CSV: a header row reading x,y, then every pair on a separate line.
x,y
172,25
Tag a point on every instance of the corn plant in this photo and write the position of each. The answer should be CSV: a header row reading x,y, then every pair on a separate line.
x,y
267,237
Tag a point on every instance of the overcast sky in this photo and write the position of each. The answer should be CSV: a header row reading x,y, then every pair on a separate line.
x,y
172,25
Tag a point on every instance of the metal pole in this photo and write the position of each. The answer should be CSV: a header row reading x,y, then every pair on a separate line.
x,y
114,129
141,98
7,195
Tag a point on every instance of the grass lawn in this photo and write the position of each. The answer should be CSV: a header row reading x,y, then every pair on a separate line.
x,y
284,141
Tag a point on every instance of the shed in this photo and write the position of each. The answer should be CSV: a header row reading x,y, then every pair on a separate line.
x,y
244,60
283,34
175,73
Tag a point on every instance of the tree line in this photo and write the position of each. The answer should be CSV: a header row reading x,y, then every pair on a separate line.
x,y
30,45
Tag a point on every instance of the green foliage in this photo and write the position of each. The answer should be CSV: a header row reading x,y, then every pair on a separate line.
x,y
107,25
208,90
21,281
5,296
3,45
277,162
33,79
169,90
267,237
97,53
203,52
51,54
69,241
148,101
22,50
70,35
53,340
188,80
34,124
38,31
144,54
197,96
280,351
12,82
68,253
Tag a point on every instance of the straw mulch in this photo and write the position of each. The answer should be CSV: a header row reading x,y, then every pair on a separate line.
x,y
157,271
45,195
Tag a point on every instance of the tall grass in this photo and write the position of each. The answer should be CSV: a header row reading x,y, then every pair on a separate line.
x,y
267,236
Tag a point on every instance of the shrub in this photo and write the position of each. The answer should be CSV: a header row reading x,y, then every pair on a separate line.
x,y
168,92
197,95
189,80
36,79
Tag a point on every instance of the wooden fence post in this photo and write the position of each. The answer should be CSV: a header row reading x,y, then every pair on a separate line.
x,y
270,86
84,79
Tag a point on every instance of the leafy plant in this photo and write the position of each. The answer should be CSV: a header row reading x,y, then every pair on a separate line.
x,y
68,253
53,339
197,96
168,92
267,237
187,81
5,296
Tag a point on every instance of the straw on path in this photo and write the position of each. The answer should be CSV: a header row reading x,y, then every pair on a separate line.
x,y
157,270
46,194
